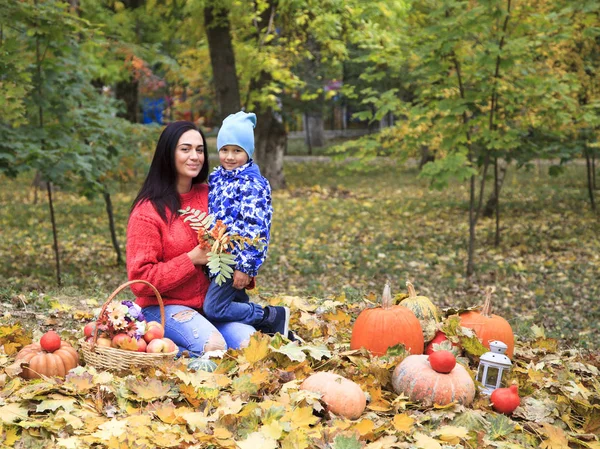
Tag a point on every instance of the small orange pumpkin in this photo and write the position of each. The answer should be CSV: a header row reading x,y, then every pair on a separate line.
x,y
416,379
57,363
379,328
342,396
489,327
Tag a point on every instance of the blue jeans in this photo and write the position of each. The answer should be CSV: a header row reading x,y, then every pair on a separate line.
x,y
190,330
224,303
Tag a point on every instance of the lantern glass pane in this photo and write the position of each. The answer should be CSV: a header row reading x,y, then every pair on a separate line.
x,y
492,377
480,373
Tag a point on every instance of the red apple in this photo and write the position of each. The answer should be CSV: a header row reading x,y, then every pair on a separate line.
x,y
171,345
50,341
89,329
124,341
103,341
141,345
154,330
158,345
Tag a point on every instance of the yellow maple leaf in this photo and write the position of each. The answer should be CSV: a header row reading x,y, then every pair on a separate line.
x,y
13,412
403,422
296,439
426,442
258,348
9,435
300,417
556,437
383,443
339,316
257,440
272,430
364,427
452,434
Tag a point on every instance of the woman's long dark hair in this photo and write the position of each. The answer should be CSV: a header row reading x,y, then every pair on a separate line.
x,y
160,186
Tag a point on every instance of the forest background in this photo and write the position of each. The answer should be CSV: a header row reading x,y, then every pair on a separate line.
x,y
450,143
496,102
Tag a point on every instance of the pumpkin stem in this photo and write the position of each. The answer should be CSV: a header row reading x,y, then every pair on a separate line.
x,y
411,290
386,297
487,305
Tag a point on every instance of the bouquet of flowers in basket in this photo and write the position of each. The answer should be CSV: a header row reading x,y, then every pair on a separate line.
x,y
123,317
213,237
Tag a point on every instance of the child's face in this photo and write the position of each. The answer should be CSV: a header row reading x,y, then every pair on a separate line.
x,y
232,157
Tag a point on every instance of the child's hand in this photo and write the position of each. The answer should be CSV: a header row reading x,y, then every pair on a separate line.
x,y
240,280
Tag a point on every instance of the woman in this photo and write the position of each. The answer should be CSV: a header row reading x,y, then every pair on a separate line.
x,y
164,251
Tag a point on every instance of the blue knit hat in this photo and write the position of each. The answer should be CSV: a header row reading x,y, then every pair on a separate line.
x,y
238,129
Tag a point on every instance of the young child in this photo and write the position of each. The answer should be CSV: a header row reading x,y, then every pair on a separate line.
x,y
241,197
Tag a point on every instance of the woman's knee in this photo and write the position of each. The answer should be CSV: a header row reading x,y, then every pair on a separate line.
x,y
215,342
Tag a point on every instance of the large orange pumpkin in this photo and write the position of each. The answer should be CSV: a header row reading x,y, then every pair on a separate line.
x,y
379,328
342,396
416,379
489,327
57,363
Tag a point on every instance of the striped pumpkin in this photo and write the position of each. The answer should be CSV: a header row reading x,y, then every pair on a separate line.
x,y
424,310
416,379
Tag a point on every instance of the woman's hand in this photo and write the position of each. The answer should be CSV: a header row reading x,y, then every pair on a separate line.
x,y
198,256
240,280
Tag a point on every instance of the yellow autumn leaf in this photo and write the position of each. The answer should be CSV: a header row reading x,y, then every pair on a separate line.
x,y
339,316
272,430
13,412
9,434
296,439
383,443
300,417
423,441
257,440
258,348
403,422
364,426
556,437
197,421
452,434
230,406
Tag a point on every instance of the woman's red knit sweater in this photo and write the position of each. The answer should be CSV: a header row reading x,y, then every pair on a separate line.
x,y
157,253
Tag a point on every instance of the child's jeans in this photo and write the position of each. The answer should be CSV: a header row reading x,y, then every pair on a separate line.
x,y
191,331
224,303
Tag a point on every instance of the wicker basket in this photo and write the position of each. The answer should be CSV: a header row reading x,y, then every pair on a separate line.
x,y
113,359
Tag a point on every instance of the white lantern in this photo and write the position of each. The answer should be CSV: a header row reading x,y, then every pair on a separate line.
x,y
492,366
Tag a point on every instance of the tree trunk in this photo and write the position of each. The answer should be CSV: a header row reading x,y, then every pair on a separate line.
x,y
222,59
590,178
127,91
54,233
111,225
271,140
497,197
315,132
499,177
426,156
307,139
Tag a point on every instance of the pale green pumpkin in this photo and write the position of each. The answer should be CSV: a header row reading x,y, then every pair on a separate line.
x,y
424,310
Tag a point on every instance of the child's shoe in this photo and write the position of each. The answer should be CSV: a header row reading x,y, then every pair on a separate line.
x,y
275,320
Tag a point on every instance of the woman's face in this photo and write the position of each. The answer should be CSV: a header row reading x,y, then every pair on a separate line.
x,y
189,156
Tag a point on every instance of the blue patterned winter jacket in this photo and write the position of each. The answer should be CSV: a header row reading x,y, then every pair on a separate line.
x,y
242,199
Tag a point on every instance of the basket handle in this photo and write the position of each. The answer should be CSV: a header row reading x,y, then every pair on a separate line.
x,y
118,290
